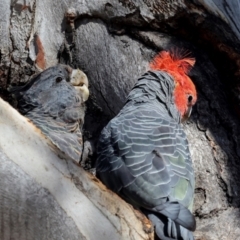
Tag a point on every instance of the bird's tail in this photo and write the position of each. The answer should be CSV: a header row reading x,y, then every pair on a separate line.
x,y
172,221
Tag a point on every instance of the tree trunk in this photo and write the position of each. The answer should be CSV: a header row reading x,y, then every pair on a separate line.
x,y
113,42
43,196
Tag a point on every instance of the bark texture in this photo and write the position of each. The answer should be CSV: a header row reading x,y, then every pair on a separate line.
x,y
113,42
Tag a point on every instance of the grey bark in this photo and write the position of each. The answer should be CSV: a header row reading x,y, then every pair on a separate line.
x,y
113,42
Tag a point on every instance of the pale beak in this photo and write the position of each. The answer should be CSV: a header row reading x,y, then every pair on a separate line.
x,y
80,81
189,111
84,92
187,114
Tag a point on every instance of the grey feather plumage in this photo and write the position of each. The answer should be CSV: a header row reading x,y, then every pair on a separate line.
x,y
54,106
143,156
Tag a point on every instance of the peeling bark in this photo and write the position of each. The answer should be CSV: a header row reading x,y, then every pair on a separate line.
x,y
113,41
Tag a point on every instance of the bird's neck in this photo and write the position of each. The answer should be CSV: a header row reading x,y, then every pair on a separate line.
x,y
155,88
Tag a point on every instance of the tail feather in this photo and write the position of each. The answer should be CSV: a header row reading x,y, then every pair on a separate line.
x,y
172,221
178,213
166,229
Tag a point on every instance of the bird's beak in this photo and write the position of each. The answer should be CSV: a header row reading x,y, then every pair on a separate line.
x,y
80,81
187,114
84,92
189,111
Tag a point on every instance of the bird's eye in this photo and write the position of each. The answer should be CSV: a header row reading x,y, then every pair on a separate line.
x,y
190,98
58,79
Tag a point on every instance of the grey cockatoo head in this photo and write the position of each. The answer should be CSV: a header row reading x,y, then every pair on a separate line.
x,y
49,89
